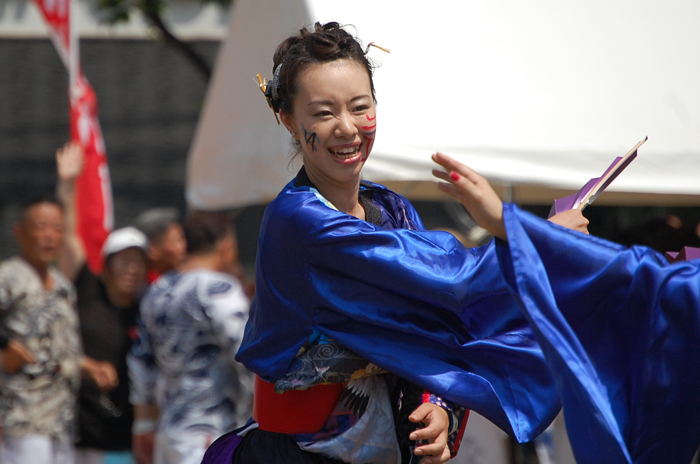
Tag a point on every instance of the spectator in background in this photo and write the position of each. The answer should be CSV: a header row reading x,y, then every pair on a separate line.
x,y
183,363
167,247
166,240
107,309
37,404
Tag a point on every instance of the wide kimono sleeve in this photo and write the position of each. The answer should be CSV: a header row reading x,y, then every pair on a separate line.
x,y
415,303
620,329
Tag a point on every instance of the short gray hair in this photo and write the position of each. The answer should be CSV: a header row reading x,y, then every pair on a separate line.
x,y
155,222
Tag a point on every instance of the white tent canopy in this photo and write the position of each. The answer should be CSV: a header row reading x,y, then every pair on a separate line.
x,y
542,93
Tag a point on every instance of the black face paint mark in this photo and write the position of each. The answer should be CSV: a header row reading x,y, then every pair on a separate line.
x,y
310,137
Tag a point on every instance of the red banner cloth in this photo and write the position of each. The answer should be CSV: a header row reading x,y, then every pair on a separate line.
x,y
93,190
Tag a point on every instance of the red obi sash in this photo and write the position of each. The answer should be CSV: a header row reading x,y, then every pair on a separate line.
x,y
295,411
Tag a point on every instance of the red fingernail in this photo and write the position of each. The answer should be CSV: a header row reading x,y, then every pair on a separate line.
x,y
454,175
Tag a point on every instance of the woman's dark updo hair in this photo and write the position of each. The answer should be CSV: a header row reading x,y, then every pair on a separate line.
x,y
327,42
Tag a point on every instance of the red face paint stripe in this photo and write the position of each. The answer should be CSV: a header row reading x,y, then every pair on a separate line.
x,y
369,127
369,147
370,119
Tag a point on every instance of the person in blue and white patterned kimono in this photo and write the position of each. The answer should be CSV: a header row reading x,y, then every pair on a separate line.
x,y
186,387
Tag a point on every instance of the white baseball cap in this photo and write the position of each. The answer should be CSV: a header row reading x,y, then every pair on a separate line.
x,y
121,239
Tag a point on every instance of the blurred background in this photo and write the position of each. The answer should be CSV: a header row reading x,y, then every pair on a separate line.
x,y
150,63
149,92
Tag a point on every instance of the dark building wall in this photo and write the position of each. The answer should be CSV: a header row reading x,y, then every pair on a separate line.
x,y
149,101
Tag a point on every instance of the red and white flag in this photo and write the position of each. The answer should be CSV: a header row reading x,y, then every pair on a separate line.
x,y
95,214
93,188
57,16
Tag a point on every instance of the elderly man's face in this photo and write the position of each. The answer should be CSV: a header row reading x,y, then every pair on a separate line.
x,y
40,233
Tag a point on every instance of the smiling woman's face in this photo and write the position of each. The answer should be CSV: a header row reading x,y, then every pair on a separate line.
x,y
334,120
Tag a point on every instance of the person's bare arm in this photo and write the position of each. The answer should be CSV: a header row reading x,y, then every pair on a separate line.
x,y
143,432
69,164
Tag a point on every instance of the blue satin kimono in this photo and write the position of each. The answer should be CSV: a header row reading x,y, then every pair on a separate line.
x,y
620,328
414,302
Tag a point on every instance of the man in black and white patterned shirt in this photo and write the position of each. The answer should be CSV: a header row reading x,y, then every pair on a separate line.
x,y
37,308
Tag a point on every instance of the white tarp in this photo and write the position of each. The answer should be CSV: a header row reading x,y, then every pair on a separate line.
x,y
539,92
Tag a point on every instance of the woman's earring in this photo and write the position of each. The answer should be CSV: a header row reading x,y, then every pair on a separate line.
x,y
294,134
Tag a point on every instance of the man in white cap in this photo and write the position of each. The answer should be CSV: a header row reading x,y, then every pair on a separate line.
x,y
107,309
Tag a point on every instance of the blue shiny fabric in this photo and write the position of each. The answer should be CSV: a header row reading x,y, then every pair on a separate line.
x,y
620,328
414,302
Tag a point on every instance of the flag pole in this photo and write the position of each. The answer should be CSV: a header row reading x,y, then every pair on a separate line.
x,y
73,51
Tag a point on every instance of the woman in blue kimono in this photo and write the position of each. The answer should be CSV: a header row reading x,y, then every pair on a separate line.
x,y
370,336
620,328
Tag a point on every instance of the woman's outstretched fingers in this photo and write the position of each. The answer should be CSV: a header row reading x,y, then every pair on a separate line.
x,y
473,191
